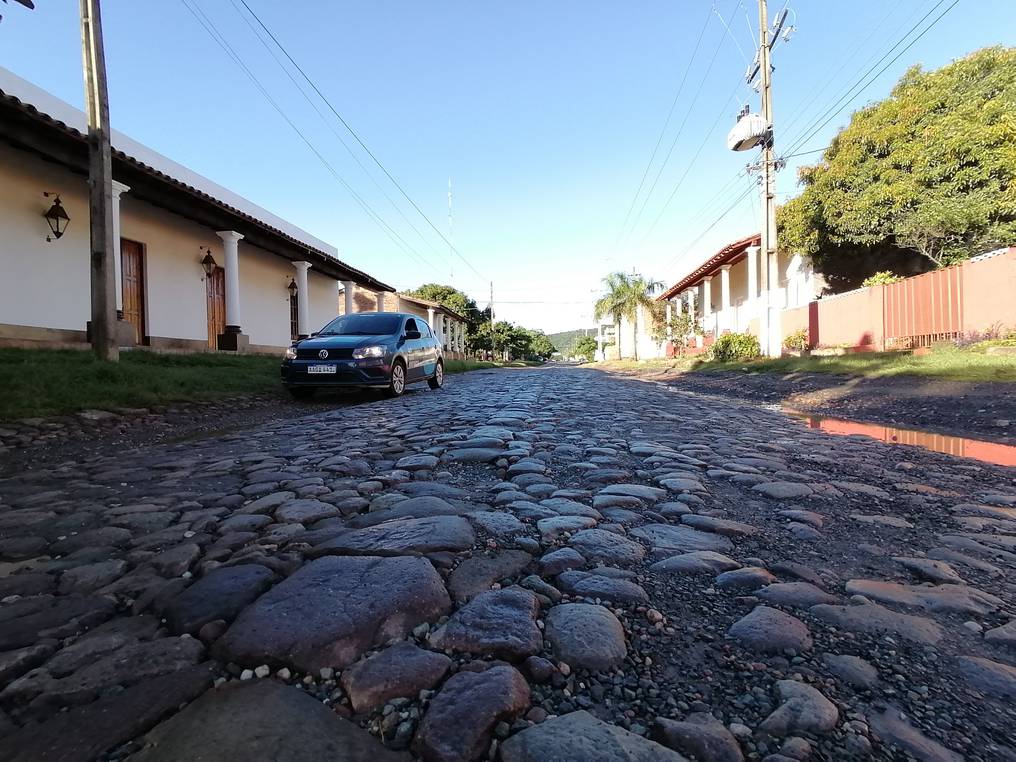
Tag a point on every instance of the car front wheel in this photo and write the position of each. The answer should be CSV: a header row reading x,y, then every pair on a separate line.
x,y
437,380
397,381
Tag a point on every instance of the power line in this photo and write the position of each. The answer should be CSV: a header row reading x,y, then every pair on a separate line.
x,y
822,84
691,163
217,36
740,197
666,124
680,130
330,127
363,145
844,100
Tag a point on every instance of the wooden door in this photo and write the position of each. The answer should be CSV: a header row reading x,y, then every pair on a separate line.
x,y
215,291
132,261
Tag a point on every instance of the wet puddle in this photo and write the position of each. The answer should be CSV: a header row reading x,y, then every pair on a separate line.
x,y
987,452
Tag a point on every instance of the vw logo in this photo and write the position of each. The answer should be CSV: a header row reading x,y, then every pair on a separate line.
x,y
323,354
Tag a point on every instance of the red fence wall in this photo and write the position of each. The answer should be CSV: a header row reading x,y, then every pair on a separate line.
x,y
971,296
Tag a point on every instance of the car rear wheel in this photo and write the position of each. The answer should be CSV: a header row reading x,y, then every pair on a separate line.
x,y
437,380
397,381
302,392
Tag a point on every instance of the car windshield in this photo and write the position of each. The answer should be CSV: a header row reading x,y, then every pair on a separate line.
x,y
376,324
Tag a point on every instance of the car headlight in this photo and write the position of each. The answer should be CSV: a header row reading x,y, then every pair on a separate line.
x,y
362,353
290,353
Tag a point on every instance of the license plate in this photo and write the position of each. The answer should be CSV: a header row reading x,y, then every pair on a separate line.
x,y
321,369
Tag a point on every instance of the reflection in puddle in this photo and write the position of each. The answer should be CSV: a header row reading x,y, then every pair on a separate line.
x,y
989,452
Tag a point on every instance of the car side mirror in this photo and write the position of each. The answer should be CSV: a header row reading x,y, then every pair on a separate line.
x,y
413,334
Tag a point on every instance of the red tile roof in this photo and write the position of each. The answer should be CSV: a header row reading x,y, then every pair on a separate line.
x,y
729,254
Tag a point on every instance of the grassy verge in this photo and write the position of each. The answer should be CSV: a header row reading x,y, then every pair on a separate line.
x,y
462,366
43,382
942,364
40,382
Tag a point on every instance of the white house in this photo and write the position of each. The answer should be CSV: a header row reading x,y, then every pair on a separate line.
x,y
199,267
724,293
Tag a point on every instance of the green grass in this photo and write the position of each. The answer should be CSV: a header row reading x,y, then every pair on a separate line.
x,y
44,382
41,382
946,364
942,364
463,366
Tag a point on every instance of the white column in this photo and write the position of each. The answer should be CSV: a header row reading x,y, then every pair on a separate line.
x,y
439,327
752,253
670,316
379,298
349,291
231,250
690,296
118,188
725,297
430,319
725,287
302,299
398,303
707,296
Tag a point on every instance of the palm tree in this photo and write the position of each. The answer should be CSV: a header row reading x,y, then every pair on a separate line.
x,y
625,296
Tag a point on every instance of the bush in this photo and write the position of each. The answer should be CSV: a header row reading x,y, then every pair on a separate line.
x,y
882,278
736,347
796,341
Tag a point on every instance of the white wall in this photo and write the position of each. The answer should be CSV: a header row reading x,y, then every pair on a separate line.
x,y
42,284
324,299
46,285
647,347
175,295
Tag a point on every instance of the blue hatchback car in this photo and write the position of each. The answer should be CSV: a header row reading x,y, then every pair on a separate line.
x,y
386,350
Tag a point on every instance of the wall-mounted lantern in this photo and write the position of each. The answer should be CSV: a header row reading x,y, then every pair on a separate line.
x,y
292,287
56,217
208,263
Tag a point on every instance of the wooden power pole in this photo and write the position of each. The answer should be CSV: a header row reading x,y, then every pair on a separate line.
x,y
769,270
100,186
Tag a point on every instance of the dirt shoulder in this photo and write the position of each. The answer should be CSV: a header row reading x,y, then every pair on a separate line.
x,y
980,410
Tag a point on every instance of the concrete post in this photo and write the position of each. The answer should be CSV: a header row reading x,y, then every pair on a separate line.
x,y
725,295
349,291
752,253
231,252
118,189
302,299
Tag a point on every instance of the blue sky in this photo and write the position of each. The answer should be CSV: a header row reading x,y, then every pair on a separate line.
x,y
543,114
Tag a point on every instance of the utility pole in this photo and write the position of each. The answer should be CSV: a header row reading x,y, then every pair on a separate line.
x,y
100,186
492,349
768,272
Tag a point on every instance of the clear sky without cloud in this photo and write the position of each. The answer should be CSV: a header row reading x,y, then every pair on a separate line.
x,y
543,114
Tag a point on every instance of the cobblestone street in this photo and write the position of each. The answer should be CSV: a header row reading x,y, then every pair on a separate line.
x,y
528,565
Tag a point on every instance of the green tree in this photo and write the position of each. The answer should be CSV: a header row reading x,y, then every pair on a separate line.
x,y
540,346
625,295
477,320
930,172
586,347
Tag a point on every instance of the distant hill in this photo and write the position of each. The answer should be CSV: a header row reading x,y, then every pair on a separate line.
x,y
565,341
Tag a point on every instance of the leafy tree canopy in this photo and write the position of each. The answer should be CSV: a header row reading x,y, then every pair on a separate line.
x,y
929,172
586,347
477,320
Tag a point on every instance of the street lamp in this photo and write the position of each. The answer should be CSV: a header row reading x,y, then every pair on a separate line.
x,y
292,287
56,216
208,263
